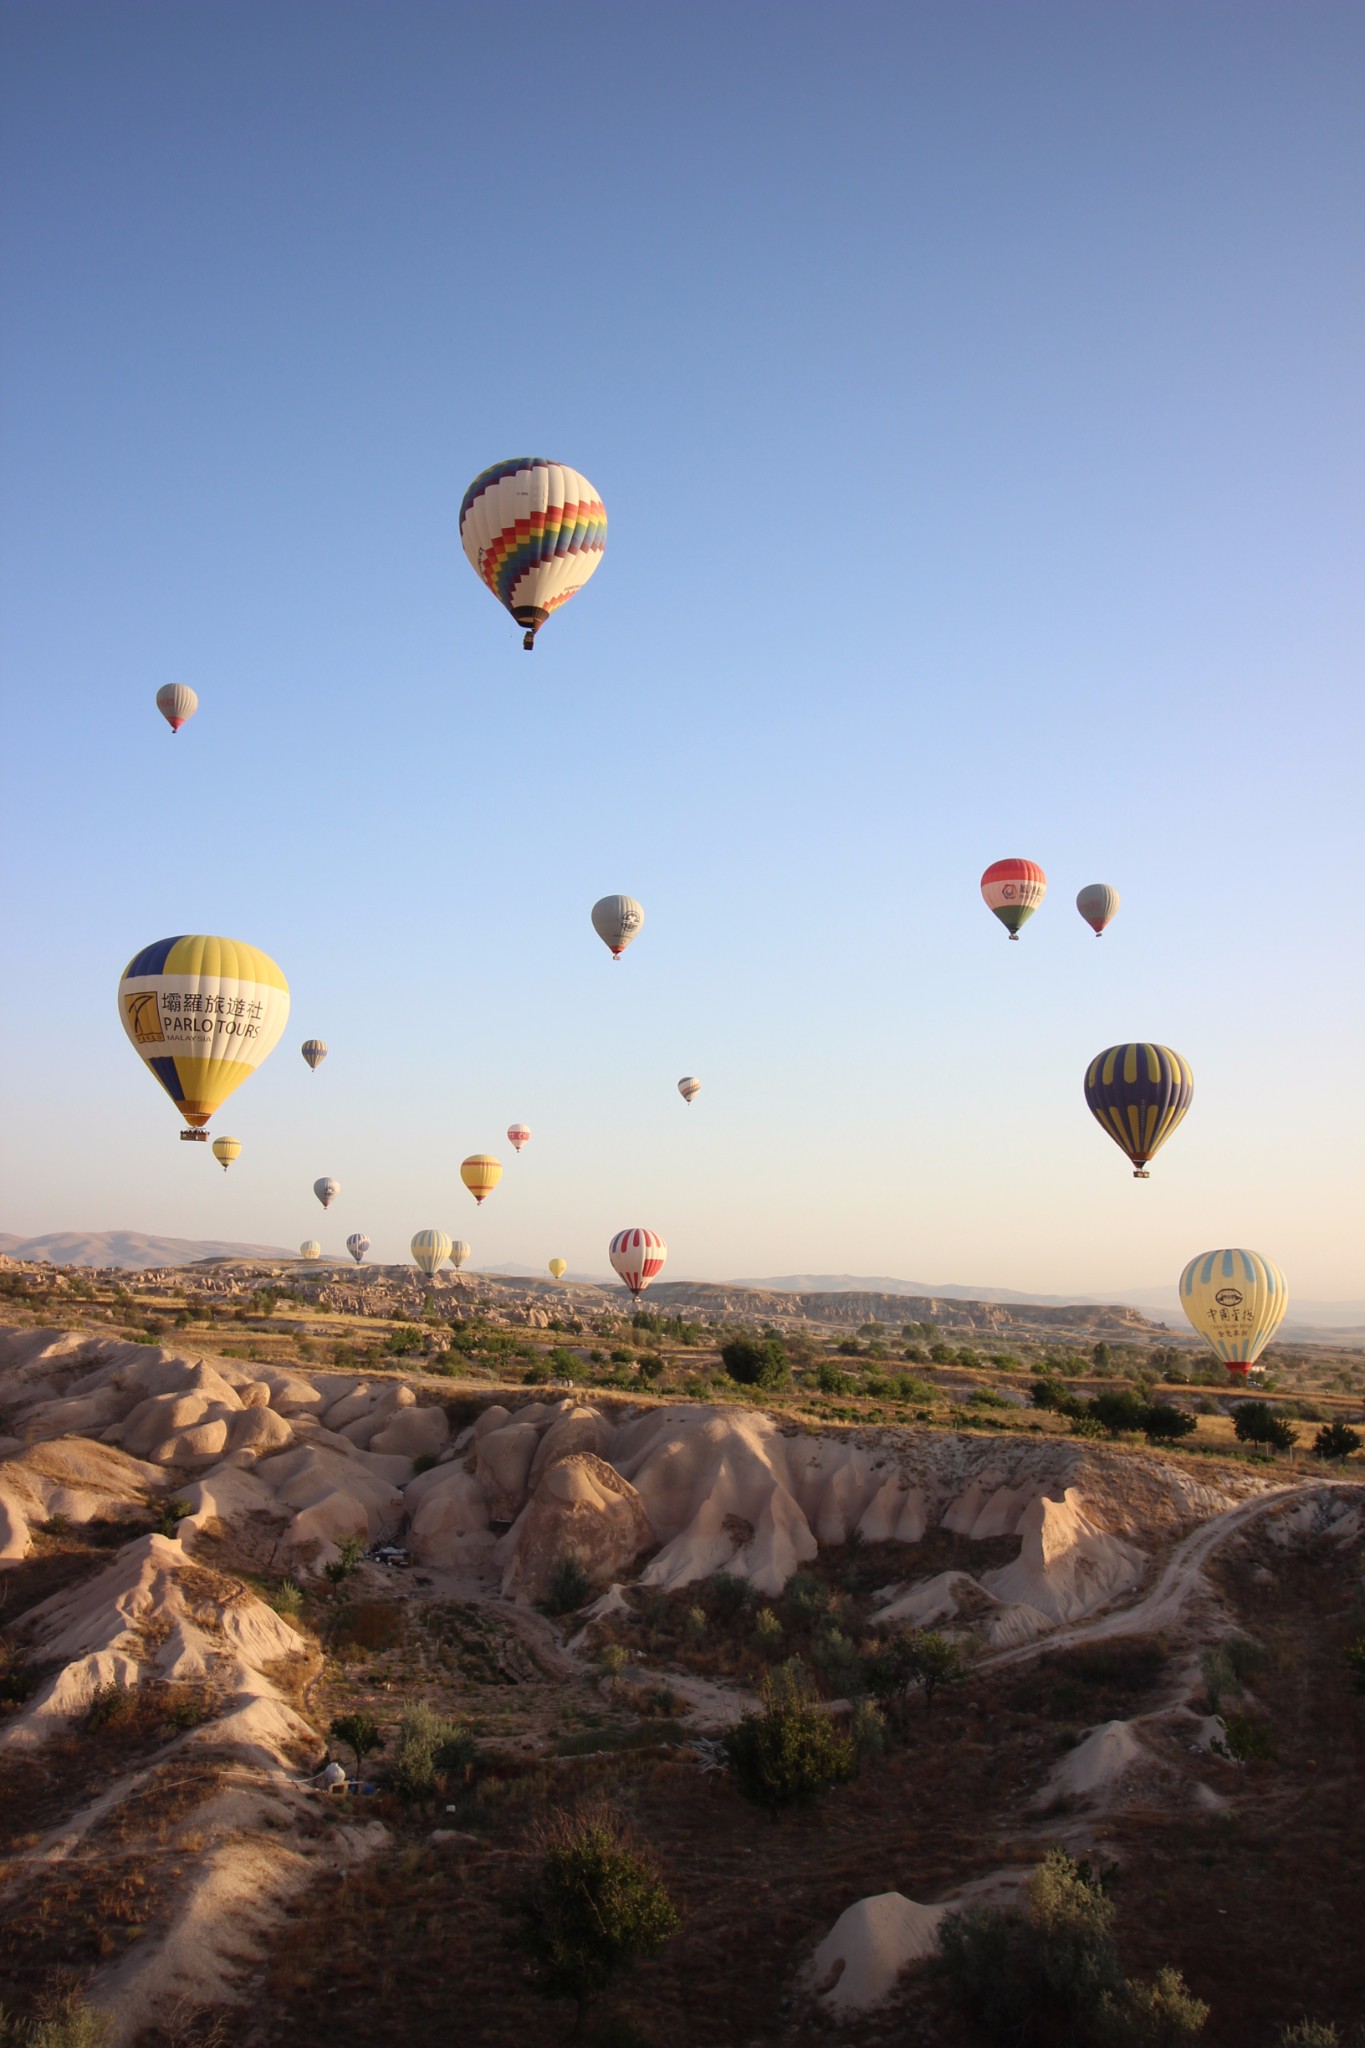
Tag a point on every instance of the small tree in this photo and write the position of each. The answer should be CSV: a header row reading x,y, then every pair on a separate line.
x,y
1336,1440
790,1753
1119,1411
347,1561
360,1733
426,1749
934,1662
1101,1357
755,1362
595,1903
569,1587
1166,1424
1257,1423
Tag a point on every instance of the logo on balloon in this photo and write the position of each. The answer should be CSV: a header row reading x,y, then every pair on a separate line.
x,y
1229,1297
1009,892
144,1017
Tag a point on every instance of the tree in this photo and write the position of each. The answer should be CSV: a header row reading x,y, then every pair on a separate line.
x,y
1166,1424
755,1362
595,1903
1257,1423
1119,1411
360,1733
426,1749
790,1753
1101,1356
569,1587
1336,1440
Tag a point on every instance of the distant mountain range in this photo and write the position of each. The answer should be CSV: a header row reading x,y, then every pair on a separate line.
x,y
130,1248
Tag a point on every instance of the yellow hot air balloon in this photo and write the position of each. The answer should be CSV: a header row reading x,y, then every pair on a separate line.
x,y
310,1249
203,1013
559,1267
480,1173
225,1150
430,1248
1236,1300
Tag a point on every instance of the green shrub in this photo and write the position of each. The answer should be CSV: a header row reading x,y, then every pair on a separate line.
x,y
426,1750
1246,1740
1166,1424
1335,1440
109,1704
569,1587
830,1380
63,2020
731,1594
767,1630
651,1366
1122,1410
595,1903
360,1734
172,1513
790,1753
755,1362
1256,1422
615,1657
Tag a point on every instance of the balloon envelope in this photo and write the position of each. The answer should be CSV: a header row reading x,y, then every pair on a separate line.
x,y
202,1013
1236,1300
638,1256
533,531
314,1051
559,1267
225,1150
689,1087
1138,1093
430,1248
176,702
1013,889
481,1173
616,920
517,1134
459,1252
357,1244
310,1248
1097,903
326,1190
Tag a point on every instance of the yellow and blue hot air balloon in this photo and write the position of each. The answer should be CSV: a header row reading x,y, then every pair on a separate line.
x,y
430,1248
1137,1094
203,1013
1236,1300
225,1150
534,532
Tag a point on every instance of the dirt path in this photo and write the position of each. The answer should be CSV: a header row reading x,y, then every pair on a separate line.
x,y
1181,1577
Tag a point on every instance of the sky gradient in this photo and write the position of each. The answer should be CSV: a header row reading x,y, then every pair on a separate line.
x,y
975,396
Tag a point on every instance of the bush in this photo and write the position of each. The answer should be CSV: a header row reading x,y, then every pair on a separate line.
x,y
830,1380
1245,1741
1119,1411
755,1362
919,1657
651,1366
1336,1440
767,1630
568,1589
63,2020
595,1903
790,1753
731,1594
107,1705
1307,2033
1166,1424
1257,1423
427,1749
407,1338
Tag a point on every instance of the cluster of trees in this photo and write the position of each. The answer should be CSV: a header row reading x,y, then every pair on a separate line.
x,y
429,1756
1116,1412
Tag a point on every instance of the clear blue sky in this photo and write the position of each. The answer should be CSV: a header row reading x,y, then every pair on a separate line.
x,y
975,395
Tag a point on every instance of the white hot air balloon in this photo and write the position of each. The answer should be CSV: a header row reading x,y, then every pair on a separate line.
x,y
518,1135
616,920
459,1252
689,1087
176,702
357,1244
430,1248
310,1249
534,532
326,1190
638,1256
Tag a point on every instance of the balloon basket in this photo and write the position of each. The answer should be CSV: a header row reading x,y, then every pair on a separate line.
x,y
1139,1173
194,1137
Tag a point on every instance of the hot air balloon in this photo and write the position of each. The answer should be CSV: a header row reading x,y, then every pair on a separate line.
x,y
314,1051
310,1249
559,1267
1097,903
1138,1094
689,1087
481,1173
534,532
616,919
357,1244
430,1248
202,1013
326,1190
1236,1300
459,1252
176,702
1013,889
517,1134
638,1256
225,1150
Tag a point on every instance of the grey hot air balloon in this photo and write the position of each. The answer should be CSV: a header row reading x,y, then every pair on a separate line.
x,y
176,702
616,920
357,1244
314,1051
1097,903
326,1190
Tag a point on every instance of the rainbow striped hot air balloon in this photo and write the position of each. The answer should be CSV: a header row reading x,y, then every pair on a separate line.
x,y
430,1249
534,532
225,1150
1097,903
1013,889
518,1135
638,1256
1137,1094
481,1173
202,1013
1236,1300
176,702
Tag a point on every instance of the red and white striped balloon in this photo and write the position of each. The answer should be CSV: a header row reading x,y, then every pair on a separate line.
x,y
638,1256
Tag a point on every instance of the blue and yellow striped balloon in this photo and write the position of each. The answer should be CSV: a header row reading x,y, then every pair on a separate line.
x,y
1236,1300
1137,1094
202,1013
430,1249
